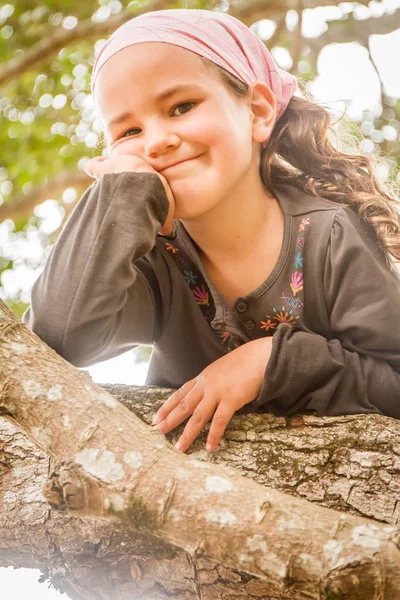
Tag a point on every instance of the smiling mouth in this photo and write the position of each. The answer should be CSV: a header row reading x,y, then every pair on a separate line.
x,y
183,162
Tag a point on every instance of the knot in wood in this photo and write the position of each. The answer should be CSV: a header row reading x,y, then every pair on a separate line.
x,y
69,489
53,493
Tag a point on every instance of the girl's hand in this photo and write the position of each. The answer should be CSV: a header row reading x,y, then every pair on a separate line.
x,y
121,163
218,392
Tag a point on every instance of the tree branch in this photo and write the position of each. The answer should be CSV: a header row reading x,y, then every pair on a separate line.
x,y
248,12
22,205
355,31
63,38
343,462
112,465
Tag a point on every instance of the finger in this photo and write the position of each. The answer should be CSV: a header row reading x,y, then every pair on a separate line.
x,y
196,423
90,168
173,401
221,418
185,407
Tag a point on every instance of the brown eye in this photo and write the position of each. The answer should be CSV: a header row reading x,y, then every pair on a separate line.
x,y
185,105
130,132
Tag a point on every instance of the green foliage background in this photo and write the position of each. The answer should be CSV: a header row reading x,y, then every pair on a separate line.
x,y
47,121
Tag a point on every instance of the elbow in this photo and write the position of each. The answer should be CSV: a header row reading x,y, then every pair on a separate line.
x,y
74,350
42,325
81,343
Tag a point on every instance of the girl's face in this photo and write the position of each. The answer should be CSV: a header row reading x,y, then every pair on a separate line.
x,y
163,104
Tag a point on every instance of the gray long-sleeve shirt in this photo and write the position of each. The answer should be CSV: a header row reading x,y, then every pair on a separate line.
x,y
331,302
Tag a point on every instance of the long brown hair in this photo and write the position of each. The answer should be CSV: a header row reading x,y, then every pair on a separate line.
x,y
300,153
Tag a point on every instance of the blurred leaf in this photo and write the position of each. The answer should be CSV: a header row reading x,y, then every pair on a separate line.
x,y
18,308
142,354
47,121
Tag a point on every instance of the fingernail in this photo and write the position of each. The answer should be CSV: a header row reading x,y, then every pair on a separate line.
x,y
156,419
178,446
209,448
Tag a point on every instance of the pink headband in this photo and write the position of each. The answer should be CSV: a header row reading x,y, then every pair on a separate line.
x,y
221,38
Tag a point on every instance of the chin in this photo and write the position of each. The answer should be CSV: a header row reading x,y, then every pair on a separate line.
x,y
187,214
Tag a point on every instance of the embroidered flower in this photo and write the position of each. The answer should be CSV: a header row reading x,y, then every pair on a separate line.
x,y
267,325
224,335
294,303
285,317
201,295
303,224
297,282
300,241
190,277
298,261
171,247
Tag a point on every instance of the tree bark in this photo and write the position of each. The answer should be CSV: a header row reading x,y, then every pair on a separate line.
x,y
154,523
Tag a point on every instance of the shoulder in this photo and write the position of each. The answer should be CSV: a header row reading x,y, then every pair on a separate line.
x,y
299,204
352,233
331,228
309,221
332,219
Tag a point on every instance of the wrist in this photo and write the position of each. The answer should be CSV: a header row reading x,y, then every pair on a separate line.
x,y
263,348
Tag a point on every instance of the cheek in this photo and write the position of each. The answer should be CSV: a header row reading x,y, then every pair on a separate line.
x,y
209,126
127,147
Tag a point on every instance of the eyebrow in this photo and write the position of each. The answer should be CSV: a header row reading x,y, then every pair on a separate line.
x,y
163,96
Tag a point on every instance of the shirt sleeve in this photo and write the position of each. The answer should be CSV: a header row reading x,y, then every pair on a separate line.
x,y
358,370
92,301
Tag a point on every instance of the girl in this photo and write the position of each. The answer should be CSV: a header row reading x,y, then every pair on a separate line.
x,y
226,230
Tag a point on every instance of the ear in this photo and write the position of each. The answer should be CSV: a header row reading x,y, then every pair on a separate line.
x,y
262,104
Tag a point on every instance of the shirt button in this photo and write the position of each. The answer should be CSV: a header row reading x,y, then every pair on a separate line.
x,y
249,324
241,306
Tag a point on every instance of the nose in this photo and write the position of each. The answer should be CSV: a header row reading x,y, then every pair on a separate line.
x,y
160,140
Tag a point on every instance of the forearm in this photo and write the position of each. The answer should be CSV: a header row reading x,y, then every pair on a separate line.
x,y
89,290
308,372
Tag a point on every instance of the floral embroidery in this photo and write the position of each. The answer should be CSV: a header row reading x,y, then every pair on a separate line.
x,y
267,325
298,261
201,295
303,224
190,277
297,282
224,335
200,291
193,278
198,286
285,317
292,302
171,247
